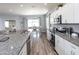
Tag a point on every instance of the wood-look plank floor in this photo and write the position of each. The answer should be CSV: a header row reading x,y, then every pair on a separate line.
x,y
40,45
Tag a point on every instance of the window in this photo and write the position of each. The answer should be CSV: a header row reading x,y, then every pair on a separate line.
x,y
33,22
7,24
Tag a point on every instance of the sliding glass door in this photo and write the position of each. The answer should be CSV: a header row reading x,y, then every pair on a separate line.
x,y
33,23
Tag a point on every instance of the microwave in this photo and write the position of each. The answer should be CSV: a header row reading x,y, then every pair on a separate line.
x,y
58,20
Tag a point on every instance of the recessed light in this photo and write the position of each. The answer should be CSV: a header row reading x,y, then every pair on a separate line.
x,y
33,6
21,5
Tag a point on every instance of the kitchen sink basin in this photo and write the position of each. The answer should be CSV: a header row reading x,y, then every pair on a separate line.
x,y
62,30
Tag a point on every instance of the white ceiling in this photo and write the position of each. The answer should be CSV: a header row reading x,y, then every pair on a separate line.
x,y
26,8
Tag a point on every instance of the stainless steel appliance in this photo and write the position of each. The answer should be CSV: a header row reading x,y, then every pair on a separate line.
x,y
58,19
53,36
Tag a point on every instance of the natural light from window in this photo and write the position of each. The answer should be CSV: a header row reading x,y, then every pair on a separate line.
x,y
33,22
7,24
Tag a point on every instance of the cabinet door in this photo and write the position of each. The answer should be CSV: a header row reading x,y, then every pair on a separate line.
x,y
53,16
67,13
76,12
51,20
70,49
56,43
74,49
47,22
59,45
67,47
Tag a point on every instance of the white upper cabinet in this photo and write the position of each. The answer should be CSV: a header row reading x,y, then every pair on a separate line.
x,y
47,22
76,12
52,19
52,16
70,13
67,13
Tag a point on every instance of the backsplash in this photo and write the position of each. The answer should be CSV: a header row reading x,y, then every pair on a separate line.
x,y
74,26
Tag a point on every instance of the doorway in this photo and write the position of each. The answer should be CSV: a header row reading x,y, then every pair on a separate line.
x,y
33,23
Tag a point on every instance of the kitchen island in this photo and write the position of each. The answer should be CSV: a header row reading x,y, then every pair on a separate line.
x,y
14,44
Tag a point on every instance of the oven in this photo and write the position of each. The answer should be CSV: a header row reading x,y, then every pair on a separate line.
x,y
53,36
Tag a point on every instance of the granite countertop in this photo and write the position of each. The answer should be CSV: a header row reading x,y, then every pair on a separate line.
x,y
13,45
66,37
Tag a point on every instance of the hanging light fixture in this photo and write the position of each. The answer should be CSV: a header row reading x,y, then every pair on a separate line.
x,y
59,6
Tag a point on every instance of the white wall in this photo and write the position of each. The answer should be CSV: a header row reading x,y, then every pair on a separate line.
x,y
43,23
21,22
1,24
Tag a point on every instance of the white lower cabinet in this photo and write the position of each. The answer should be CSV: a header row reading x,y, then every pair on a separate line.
x,y
64,47
59,45
67,47
24,50
74,49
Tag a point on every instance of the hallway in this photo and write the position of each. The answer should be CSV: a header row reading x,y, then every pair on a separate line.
x,y
40,45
